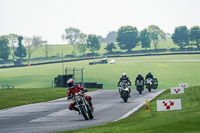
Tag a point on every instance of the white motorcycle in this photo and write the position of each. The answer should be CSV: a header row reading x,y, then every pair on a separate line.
x,y
124,91
149,84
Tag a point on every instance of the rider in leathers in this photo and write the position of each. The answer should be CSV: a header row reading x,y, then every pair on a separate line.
x,y
149,75
139,77
125,79
75,89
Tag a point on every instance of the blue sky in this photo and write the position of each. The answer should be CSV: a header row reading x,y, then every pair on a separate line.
x,y
49,18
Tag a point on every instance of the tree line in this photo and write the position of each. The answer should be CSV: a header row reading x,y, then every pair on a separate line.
x,y
8,46
127,38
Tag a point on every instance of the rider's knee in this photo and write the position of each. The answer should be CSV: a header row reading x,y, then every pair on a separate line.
x,y
88,98
70,106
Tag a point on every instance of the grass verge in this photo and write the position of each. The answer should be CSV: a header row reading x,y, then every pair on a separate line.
x,y
178,121
168,73
15,97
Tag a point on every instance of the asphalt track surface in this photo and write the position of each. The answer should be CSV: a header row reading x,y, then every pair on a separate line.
x,y
55,116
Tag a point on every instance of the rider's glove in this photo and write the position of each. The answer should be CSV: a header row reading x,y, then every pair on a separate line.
x,y
84,90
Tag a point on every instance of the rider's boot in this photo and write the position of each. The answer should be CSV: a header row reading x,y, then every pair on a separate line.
x,y
90,102
120,93
76,109
129,92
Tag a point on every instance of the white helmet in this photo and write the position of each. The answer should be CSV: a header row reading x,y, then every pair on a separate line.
x,y
70,82
123,74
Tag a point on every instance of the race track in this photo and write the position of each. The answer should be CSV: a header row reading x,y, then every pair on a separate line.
x,y
55,116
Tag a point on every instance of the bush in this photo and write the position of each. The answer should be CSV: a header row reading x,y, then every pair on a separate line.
x,y
69,56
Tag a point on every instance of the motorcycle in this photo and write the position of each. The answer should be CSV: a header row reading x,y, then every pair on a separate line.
x,y
155,83
149,84
124,91
83,105
139,86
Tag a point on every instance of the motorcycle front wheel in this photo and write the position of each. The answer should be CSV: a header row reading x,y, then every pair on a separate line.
x,y
149,89
125,96
90,114
139,90
83,112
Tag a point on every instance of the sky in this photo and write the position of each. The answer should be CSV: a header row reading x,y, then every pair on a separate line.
x,y
50,18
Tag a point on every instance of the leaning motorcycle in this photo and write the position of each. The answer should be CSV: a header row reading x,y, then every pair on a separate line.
x,y
149,84
83,105
124,91
139,86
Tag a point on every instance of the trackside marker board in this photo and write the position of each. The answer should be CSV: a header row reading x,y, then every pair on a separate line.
x,y
184,85
177,90
171,104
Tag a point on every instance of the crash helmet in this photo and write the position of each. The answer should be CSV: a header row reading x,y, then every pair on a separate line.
x,y
123,75
149,73
70,82
139,74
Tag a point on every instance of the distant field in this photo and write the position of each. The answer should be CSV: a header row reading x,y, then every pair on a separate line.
x,y
169,73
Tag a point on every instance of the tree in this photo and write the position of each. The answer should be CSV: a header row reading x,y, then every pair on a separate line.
x,y
145,39
33,44
4,48
111,37
71,35
127,37
81,45
110,46
155,34
20,51
194,36
93,43
47,49
181,36
101,39
12,41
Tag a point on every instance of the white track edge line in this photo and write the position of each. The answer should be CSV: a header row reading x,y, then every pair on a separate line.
x,y
138,107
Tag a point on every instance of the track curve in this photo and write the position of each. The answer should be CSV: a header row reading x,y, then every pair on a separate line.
x,y
55,116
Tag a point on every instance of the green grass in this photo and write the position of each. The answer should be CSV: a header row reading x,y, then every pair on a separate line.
x,y
169,74
177,121
16,97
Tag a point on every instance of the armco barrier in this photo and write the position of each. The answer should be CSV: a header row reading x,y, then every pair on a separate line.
x,y
109,56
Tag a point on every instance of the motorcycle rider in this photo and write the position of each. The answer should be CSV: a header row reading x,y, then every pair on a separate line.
x,y
74,88
139,77
125,79
149,75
